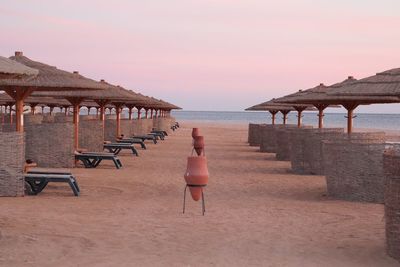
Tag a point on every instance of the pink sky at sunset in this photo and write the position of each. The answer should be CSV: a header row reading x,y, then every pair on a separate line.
x,y
209,55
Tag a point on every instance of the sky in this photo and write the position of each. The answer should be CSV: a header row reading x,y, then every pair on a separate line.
x,y
209,55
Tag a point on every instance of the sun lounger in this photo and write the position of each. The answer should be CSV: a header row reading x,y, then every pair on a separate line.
x,y
38,178
159,131
132,141
117,147
93,159
158,135
146,137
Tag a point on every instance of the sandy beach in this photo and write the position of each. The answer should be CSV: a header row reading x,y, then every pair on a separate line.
x,y
257,214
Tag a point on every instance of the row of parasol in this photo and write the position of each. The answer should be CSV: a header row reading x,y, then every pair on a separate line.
x,y
384,87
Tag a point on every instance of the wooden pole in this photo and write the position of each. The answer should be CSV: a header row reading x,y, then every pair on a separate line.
x,y
118,113
349,121
284,118
75,102
146,113
151,113
320,118
138,112
299,112
33,106
130,112
76,126
350,112
273,113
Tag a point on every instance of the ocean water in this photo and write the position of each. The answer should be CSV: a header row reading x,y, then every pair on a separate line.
x,y
362,120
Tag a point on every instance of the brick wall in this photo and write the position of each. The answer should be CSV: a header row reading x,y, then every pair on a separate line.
x,y
353,167
306,149
283,141
391,161
12,158
254,135
163,123
91,135
50,144
110,129
268,137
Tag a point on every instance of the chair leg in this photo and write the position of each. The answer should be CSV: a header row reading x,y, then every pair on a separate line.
x,y
74,189
202,201
184,199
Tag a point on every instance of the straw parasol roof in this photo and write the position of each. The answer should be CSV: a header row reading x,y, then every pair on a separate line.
x,y
12,69
111,93
48,101
49,78
327,95
274,105
386,83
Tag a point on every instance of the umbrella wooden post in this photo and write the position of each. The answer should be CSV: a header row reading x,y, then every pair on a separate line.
x,y
284,118
130,112
2,115
350,112
118,113
42,109
320,118
147,112
97,112
321,115
76,127
51,109
33,106
19,97
88,110
151,113
138,112
75,102
273,113
299,115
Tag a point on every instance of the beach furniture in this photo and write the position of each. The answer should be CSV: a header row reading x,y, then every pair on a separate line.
x,y
164,133
38,178
146,137
93,159
118,147
158,135
133,141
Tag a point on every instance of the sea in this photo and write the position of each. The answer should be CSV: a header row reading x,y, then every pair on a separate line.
x,y
362,120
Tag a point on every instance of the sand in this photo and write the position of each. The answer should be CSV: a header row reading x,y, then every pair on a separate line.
x,y
258,214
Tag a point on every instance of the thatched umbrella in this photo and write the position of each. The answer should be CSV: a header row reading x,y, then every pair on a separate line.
x,y
328,95
49,78
321,89
386,83
115,95
34,101
12,69
273,108
297,107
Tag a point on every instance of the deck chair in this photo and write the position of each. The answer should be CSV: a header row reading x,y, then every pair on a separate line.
x,y
38,178
158,135
93,159
118,147
146,137
132,141
159,132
